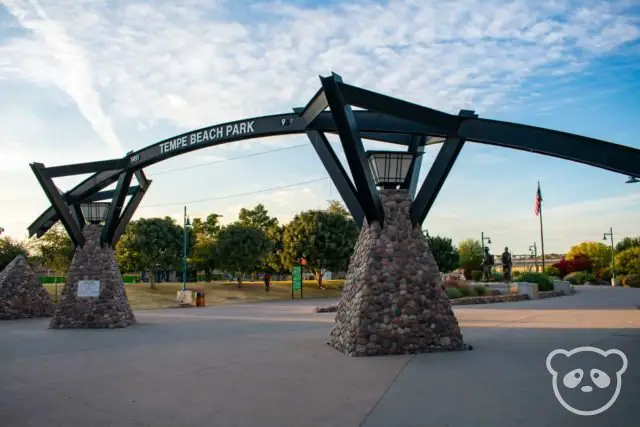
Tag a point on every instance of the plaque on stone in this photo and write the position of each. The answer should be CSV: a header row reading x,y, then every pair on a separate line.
x,y
88,288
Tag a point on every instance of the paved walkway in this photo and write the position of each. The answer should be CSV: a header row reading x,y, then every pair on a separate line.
x,y
267,365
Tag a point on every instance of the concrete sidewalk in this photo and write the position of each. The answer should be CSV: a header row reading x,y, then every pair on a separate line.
x,y
267,364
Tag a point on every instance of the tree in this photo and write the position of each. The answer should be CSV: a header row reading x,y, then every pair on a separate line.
x,y
273,260
471,255
325,239
257,217
55,249
9,249
598,253
628,242
241,248
153,244
336,206
628,261
445,254
204,253
208,228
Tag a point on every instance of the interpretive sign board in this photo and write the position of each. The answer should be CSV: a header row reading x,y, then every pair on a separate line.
x,y
88,288
296,280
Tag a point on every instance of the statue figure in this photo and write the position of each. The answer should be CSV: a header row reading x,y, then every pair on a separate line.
x,y
487,264
507,264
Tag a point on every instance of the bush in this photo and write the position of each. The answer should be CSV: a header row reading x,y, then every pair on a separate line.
x,y
576,278
516,274
579,263
543,281
628,261
446,255
476,275
453,293
498,276
481,290
631,280
551,270
469,291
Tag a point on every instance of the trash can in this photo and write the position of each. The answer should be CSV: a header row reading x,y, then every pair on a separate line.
x,y
200,299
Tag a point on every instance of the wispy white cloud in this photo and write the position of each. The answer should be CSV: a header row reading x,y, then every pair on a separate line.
x,y
51,56
192,66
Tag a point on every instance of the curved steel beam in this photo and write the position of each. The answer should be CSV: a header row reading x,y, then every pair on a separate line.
x,y
590,151
601,154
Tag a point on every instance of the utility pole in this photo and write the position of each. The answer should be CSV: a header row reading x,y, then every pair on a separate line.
x,y
184,249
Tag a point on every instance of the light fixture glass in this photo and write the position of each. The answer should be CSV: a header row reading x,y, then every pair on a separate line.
x,y
95,212
389,168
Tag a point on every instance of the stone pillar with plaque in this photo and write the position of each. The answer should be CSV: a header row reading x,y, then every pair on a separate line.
x,y
94,295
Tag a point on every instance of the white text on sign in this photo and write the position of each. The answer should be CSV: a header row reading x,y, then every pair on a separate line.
x,y
211,134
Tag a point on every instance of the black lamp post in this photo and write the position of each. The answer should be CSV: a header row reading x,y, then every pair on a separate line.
x,y
483,238
96,212
390,168
613,256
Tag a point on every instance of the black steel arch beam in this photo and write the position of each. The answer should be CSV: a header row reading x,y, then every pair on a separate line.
x,y
337,173
115,208
348,131
89,167
108,195
416,147
58,203
594,152
128,212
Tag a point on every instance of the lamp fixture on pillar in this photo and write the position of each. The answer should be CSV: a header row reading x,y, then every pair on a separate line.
x,y
95,212
389,168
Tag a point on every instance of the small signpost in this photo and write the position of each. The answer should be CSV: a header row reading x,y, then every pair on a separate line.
x,y
88,288
296,280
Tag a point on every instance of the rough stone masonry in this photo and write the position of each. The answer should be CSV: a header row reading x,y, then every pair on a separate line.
x,y
21,293
394,301
108,310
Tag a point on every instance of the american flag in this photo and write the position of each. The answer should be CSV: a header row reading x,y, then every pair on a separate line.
x,y
538,200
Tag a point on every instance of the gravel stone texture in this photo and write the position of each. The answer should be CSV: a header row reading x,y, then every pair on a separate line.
x,y
111,308
22,295
394,301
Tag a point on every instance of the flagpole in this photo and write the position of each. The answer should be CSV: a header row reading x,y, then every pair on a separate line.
x,y
541,232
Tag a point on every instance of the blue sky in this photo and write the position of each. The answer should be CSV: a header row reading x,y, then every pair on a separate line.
x,y
83,81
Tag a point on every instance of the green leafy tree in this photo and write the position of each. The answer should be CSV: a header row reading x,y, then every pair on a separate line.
x,y
153,244
628,261
205,234
445,254
471,254
257,217
9,249
240,248
628,242
598,253
336,206
55,249
209,227
325,239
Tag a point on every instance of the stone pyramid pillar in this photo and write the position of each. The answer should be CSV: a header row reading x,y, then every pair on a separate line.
x,y
93,271
394,301
21,293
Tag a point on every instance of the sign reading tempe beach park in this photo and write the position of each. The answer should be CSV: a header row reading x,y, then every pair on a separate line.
x,y
88,288
206,135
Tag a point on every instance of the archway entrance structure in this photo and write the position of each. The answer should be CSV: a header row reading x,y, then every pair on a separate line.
x,y
394,301
384,119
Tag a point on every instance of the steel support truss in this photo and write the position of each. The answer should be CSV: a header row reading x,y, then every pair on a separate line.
x,y
384,119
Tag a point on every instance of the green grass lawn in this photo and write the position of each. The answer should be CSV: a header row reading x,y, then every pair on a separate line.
x,y
141,296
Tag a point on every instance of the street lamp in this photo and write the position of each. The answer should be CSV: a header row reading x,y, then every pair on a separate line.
x,y
534,251
186,225
483,238
95,212
632,180
613,256
389,168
